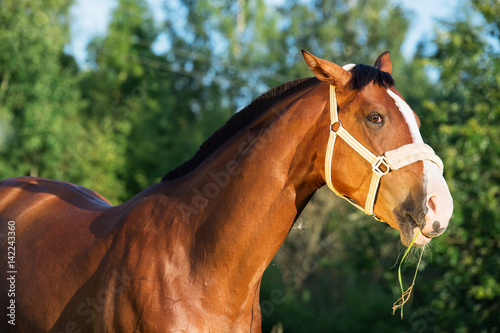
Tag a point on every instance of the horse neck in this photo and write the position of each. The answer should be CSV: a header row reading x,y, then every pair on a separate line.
x,y
242,201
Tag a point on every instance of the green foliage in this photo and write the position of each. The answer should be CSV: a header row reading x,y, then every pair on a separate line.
x,y
131,114
467,116
39,96
121,89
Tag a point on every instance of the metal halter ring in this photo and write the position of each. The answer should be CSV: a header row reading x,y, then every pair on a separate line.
x,y
381,161
331,127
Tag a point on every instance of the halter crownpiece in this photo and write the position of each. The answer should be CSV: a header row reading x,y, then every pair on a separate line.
x,y
381,165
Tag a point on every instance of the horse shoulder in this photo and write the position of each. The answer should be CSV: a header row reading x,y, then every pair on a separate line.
x,y
54,226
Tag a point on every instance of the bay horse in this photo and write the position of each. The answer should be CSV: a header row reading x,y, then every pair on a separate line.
x,y
188,253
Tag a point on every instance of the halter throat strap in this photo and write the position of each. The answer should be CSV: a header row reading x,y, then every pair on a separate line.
x,y
381,165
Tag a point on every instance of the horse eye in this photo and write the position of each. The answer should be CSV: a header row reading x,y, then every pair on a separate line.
x,y
375,118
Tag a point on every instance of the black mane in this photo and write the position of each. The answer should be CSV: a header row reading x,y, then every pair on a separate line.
x,y
237,122
362,76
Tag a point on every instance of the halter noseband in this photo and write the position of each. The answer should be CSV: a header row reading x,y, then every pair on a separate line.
x,y
381,165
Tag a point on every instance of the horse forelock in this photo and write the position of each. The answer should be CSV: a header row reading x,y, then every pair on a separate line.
x,y
363,74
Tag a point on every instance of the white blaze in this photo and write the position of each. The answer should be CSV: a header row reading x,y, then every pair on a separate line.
x,y
408,115
439,200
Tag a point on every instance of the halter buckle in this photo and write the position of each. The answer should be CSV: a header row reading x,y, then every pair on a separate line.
x,y
381,161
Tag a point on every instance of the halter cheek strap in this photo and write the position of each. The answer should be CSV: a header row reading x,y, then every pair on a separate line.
x,y
381,165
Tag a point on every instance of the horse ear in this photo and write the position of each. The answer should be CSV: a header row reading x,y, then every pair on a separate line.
x,y
384,62
327,71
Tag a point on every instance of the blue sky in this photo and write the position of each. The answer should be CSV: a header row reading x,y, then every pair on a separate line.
x,y
90,18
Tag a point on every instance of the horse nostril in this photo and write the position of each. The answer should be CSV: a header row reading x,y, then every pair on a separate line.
x,y
436,222
436,230
431,204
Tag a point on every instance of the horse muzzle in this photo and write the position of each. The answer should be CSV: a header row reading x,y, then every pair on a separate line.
x,y
438,205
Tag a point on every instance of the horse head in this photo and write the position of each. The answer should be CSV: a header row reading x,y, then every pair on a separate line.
x,y
376,157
